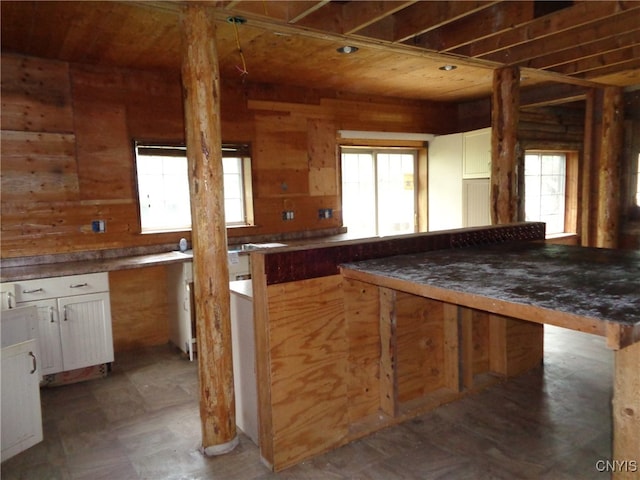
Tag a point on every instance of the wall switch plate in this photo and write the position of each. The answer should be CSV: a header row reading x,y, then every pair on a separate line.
x,y
325,213
98,226
287,215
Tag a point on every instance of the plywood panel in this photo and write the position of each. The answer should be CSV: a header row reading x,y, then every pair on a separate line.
x,y
38,167
515,345
308,352
282,139
421,346
139,308
362,314
36,95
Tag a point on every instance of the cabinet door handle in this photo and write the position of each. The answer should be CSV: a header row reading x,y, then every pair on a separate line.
x,y
35,290
65,313
9,297
35,363
51,314
78,285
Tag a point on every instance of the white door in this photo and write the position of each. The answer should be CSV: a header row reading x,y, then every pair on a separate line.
x,y
21,412
48,335
85,330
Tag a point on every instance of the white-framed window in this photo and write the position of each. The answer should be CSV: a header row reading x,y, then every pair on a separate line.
x,y
378,191
163,186
545,177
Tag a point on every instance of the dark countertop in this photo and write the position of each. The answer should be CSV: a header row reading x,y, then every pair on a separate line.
x,y
603,284
78,267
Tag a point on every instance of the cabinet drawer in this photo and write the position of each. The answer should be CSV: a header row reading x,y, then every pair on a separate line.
x,y
44,288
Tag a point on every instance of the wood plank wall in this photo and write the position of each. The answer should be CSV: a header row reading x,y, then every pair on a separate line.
x,y
68,130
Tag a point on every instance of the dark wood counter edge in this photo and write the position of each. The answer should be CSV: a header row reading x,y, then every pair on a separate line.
x,y
31,272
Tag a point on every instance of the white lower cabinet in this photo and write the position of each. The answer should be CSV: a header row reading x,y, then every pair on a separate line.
x,y
74,320
21,412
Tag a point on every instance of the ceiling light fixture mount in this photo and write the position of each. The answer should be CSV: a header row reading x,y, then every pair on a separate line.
x,y
447,68
347,49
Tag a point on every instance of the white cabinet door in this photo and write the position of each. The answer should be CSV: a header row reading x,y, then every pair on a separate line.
x,y
85,330
21,413
477,154
48,335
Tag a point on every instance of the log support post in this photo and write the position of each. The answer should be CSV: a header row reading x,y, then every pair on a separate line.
x,y
506,184
609,180
201,87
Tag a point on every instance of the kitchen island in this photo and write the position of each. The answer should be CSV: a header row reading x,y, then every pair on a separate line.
x,y
585,289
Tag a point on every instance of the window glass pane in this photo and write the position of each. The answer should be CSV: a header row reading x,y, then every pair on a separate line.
x,y
358,194
378,196
545,180
163,188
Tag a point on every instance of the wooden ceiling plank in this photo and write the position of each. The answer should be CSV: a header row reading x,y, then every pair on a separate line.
x,y
476,26
607,27
585,49
580,14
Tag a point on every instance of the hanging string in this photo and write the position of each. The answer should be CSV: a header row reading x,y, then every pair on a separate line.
x,y
243,71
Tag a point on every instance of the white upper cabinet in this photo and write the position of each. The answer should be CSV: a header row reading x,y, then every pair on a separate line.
x,y
476,154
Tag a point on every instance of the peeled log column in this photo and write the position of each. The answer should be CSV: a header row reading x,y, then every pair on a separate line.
x,y
505,184
609,169
200,79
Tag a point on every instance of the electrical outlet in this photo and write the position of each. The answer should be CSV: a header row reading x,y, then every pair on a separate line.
x,y
98,226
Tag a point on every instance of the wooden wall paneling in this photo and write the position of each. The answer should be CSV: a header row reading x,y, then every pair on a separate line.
x,y
105,154
392,116
139,308
155,112
38,167
308,368
551,128
323,158
420,355
362,314
36,95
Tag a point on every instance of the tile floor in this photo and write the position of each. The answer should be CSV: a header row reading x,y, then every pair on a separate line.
x,y
141,422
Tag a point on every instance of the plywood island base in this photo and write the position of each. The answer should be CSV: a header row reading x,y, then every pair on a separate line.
x,y
346,349
368,357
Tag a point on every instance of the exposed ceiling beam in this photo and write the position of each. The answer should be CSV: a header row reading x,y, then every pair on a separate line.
x,y
568,38
481,24
580,14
